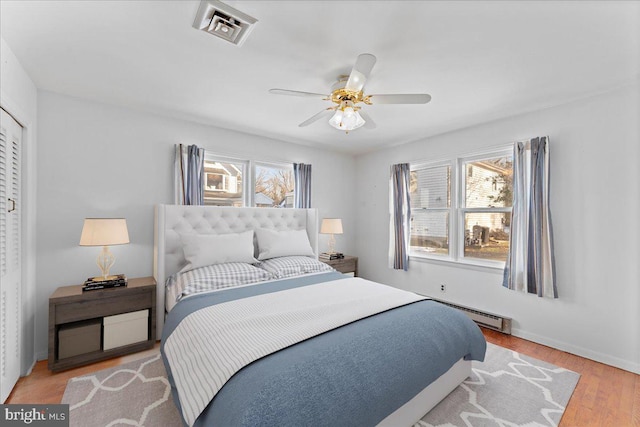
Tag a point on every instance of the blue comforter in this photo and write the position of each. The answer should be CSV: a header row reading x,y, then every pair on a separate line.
x,y
355,375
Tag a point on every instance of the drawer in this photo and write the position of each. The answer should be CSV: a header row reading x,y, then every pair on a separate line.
x,y
344,265
100,307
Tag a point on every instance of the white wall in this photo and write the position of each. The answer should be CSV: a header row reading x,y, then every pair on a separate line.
x,y
595,204
99,160
18,96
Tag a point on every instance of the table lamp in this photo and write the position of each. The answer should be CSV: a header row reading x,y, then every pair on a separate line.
x,y
104,232
331,226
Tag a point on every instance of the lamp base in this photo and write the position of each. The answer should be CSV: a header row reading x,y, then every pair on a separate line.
x,y
105,260
332,244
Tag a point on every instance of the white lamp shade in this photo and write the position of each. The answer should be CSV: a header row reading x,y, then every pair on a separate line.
x,y
331,226
104,232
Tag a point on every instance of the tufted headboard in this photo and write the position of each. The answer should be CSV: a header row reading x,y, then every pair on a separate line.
x,y
172,220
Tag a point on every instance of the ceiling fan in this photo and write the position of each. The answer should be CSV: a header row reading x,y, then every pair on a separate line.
x,y
347,92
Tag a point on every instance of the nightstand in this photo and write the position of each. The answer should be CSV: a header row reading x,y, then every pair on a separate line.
x,y
348,264
79,319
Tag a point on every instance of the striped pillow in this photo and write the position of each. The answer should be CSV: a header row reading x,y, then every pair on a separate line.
x,y
214,277
288,266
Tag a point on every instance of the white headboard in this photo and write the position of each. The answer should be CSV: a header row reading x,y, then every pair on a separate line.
x,y
173,220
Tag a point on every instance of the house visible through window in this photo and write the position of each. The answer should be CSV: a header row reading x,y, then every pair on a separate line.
x,y
223,182
430,195
235,182
486,207
461,209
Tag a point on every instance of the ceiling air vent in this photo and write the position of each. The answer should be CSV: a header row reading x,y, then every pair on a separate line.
x,y
223,21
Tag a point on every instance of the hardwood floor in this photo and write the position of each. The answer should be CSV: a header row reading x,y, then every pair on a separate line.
x,y
605,396
44,386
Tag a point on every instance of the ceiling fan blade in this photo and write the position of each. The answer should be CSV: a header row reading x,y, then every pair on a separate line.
x,y
407,98
297,93
369,123
316,117
360,72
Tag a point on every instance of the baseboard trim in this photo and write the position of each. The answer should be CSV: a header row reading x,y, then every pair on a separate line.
x,y
30,368
607,359
42,355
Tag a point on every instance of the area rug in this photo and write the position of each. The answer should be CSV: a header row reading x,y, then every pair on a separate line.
x,y
133,394
508,389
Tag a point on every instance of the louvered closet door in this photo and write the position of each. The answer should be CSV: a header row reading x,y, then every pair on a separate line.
x,y
10,134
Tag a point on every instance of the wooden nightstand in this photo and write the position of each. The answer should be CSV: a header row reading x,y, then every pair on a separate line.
x,y
348,264
71,308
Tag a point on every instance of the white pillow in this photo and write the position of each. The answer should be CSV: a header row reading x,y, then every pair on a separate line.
x,y
273,243
201,250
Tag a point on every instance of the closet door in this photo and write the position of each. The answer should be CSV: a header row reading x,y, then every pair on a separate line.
x,y
10,302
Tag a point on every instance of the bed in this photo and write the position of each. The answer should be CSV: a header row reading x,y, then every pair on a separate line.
x,y
317,348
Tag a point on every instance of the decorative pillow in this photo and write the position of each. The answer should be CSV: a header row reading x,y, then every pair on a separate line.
x,y
272,244
208,249
293,266
214,277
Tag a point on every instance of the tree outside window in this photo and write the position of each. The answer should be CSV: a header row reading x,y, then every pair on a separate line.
x,y
274,186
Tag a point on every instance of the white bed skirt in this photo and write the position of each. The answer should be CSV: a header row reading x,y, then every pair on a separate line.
x,y
411,412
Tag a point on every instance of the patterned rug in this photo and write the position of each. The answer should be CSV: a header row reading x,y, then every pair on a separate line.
x,y
134,394
508,389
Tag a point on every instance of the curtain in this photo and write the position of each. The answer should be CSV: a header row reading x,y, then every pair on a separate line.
x,y
400,213
302,185
530,265
189,175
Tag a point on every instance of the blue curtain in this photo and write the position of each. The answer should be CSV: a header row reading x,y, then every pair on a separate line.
x,y
189,175
530,265
400,213
302,185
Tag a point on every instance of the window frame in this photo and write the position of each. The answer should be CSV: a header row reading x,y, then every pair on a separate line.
x,y
449,210
462,209
249,167
458,209
267,164
235,160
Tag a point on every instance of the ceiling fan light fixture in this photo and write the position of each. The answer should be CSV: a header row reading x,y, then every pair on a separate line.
x,y
346,118
336,120
350,118
348,92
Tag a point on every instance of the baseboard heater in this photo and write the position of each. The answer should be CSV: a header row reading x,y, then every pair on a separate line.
x,y
487,320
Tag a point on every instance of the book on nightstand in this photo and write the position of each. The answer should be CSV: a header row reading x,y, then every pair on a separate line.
x,y
328,257
94,283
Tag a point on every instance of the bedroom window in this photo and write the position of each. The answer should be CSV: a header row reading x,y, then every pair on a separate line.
x,y
273,185
485,209
430,194
236,182
224,182
461,209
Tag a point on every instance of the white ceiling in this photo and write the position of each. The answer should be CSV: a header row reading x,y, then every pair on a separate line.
x,y
479,60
